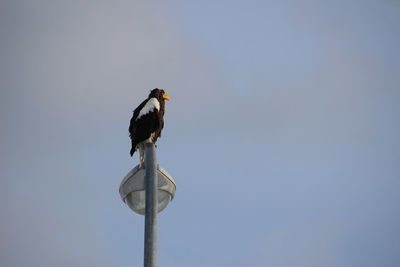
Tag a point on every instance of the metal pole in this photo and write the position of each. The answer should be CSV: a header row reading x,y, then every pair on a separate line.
x,y
150,221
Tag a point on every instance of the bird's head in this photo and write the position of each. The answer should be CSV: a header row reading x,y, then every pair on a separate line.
x,y
159,94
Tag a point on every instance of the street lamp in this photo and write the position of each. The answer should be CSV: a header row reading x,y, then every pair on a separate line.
x,y
133,193
147,190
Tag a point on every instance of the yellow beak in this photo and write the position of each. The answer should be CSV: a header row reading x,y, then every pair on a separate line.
x,y
166,96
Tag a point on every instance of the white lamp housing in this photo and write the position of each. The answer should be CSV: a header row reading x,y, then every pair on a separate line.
x,y
132,189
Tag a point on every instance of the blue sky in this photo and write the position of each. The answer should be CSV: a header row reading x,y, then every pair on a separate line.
x,y
281,133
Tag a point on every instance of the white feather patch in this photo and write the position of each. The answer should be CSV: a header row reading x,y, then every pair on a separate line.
x,y
150,106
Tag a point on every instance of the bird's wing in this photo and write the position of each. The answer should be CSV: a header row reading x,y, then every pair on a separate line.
x,y
132,124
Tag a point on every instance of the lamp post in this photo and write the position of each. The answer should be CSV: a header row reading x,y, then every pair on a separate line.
x,y
150,220
147,190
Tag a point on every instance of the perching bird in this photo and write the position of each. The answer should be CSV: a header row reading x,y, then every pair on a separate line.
x,y
147,121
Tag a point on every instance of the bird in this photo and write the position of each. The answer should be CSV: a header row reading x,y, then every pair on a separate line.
x,y
147,121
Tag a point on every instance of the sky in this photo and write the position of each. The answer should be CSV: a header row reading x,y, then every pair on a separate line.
x,y
282,132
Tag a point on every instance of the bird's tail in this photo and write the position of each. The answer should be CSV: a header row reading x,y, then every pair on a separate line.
x,y
133,148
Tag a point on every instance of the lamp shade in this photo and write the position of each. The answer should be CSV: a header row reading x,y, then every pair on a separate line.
x,y
132,189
